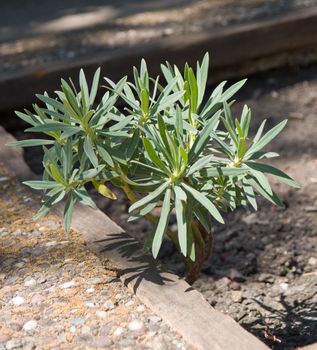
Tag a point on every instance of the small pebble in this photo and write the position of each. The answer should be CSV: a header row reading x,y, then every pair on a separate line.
x,y
29,282
37,299
102,342
17,300
4,337
30,326
51,244
140,308
135,325
77,321
236,296
90,305
284,286
311,209
101,314
85,330
154,319
312,261
67,285
90,290
108,305
118,331
13,344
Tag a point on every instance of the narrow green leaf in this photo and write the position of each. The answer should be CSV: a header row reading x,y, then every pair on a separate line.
x,y
249,193
84,198
150,197
154,156
88,148
280,175
203,138
162,224
180,199
269,136
41,185
30,143
204,201
94,87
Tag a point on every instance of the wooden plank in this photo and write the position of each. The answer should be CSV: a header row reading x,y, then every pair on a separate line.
x,y
235,51
309,347
181,306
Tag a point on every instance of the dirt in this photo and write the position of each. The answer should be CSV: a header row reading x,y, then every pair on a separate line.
x,y
263,271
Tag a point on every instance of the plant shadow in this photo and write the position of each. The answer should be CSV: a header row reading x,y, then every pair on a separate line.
x,y
134,265
297,318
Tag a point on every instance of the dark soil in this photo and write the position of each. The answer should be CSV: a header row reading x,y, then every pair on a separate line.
x,y
263,271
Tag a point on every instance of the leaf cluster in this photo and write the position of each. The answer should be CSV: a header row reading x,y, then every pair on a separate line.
x,y
171,147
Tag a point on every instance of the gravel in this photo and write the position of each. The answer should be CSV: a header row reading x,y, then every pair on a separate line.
x,y
62,295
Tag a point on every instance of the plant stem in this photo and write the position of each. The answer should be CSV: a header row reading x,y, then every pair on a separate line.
x,y
202,254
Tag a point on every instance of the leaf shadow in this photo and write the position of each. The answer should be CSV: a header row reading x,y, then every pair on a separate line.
x,y
298,317
134,264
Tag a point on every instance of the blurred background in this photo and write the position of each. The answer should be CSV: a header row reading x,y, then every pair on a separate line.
x,y
271,255
42,41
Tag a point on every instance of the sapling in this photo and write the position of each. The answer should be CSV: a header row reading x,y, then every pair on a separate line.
x,y
171,147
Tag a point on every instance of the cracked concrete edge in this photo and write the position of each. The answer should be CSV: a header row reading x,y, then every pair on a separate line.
x,y
175,301
235,52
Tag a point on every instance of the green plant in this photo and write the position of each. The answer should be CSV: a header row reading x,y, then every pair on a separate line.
x,y
163,149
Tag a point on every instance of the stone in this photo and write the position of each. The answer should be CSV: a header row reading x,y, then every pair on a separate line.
x,y
102,342
37,298
222,283
101,314
311,209
77,321
284,286
90,305
108,305
29,346
67,285
236,296
85,330
90,290
312,261
265,277
18,300
30,326
254,219
29,282
140,308
235,275
234,285
126,343
51,244
135,325
118,331
4,337
13,344
154,319
72,329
